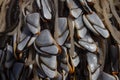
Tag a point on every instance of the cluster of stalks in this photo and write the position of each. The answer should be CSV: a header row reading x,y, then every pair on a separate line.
x,y
13,15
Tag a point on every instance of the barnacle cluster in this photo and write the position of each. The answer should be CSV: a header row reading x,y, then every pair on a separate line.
x,y
59,39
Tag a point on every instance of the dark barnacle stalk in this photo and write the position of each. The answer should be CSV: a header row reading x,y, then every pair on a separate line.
x,y
12,16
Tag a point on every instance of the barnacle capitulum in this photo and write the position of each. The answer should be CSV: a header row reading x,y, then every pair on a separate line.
x,y
94,23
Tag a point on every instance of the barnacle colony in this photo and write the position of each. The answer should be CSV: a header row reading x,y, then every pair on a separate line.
x,y
59,40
